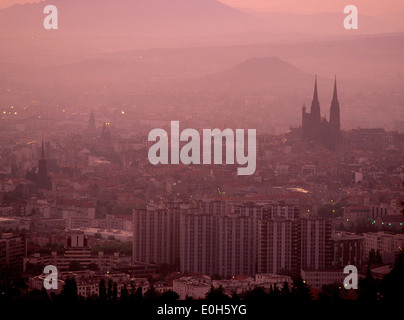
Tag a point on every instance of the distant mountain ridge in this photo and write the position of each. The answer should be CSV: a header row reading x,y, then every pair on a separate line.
x,y
257,74
263,69
127,17
114,25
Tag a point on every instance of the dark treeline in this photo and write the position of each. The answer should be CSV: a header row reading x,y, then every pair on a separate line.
x,y
370,289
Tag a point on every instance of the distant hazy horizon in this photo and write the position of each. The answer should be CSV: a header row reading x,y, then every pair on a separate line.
x,y
367,7
188,53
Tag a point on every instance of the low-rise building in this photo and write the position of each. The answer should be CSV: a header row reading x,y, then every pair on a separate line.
x,y
195,287
235,286
88,282
317,278
240,284
162,287
386,243
117,234
37,283
272,279
356,214
9,224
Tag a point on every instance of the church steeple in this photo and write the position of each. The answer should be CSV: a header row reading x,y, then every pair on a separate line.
x,y
335,125
91,129
335,95
91,121
334,109
315,104
315,95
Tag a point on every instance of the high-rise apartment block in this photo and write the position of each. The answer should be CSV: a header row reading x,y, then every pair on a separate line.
x,y
229,238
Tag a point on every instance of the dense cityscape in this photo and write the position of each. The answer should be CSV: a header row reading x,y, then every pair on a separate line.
x,y
84,198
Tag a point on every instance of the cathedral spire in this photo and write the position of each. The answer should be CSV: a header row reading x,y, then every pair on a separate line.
x,y
335,122
315,105
315,95
335,95
91,121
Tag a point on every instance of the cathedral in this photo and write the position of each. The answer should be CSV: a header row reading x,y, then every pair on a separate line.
x,y
317,128
40,174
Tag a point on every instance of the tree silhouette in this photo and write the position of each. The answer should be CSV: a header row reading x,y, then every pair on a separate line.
x,y
132,291
276,291
285,288
285,291
271,291
235,297
124,293
393,283
378,257
301,291
151,294
372,256
109,290
330,292
69,291
138,294
169,296
115,291
375,256
102,290
216,294
74,287
258,295
368,288
35,294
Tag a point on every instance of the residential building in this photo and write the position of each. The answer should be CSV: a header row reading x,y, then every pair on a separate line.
x,y
348,249
12,250
195,287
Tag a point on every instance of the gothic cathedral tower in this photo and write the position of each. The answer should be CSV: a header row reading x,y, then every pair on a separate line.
x,y
315,128
335,125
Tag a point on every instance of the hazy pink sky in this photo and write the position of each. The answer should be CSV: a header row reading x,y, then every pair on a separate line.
x,y
367,7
